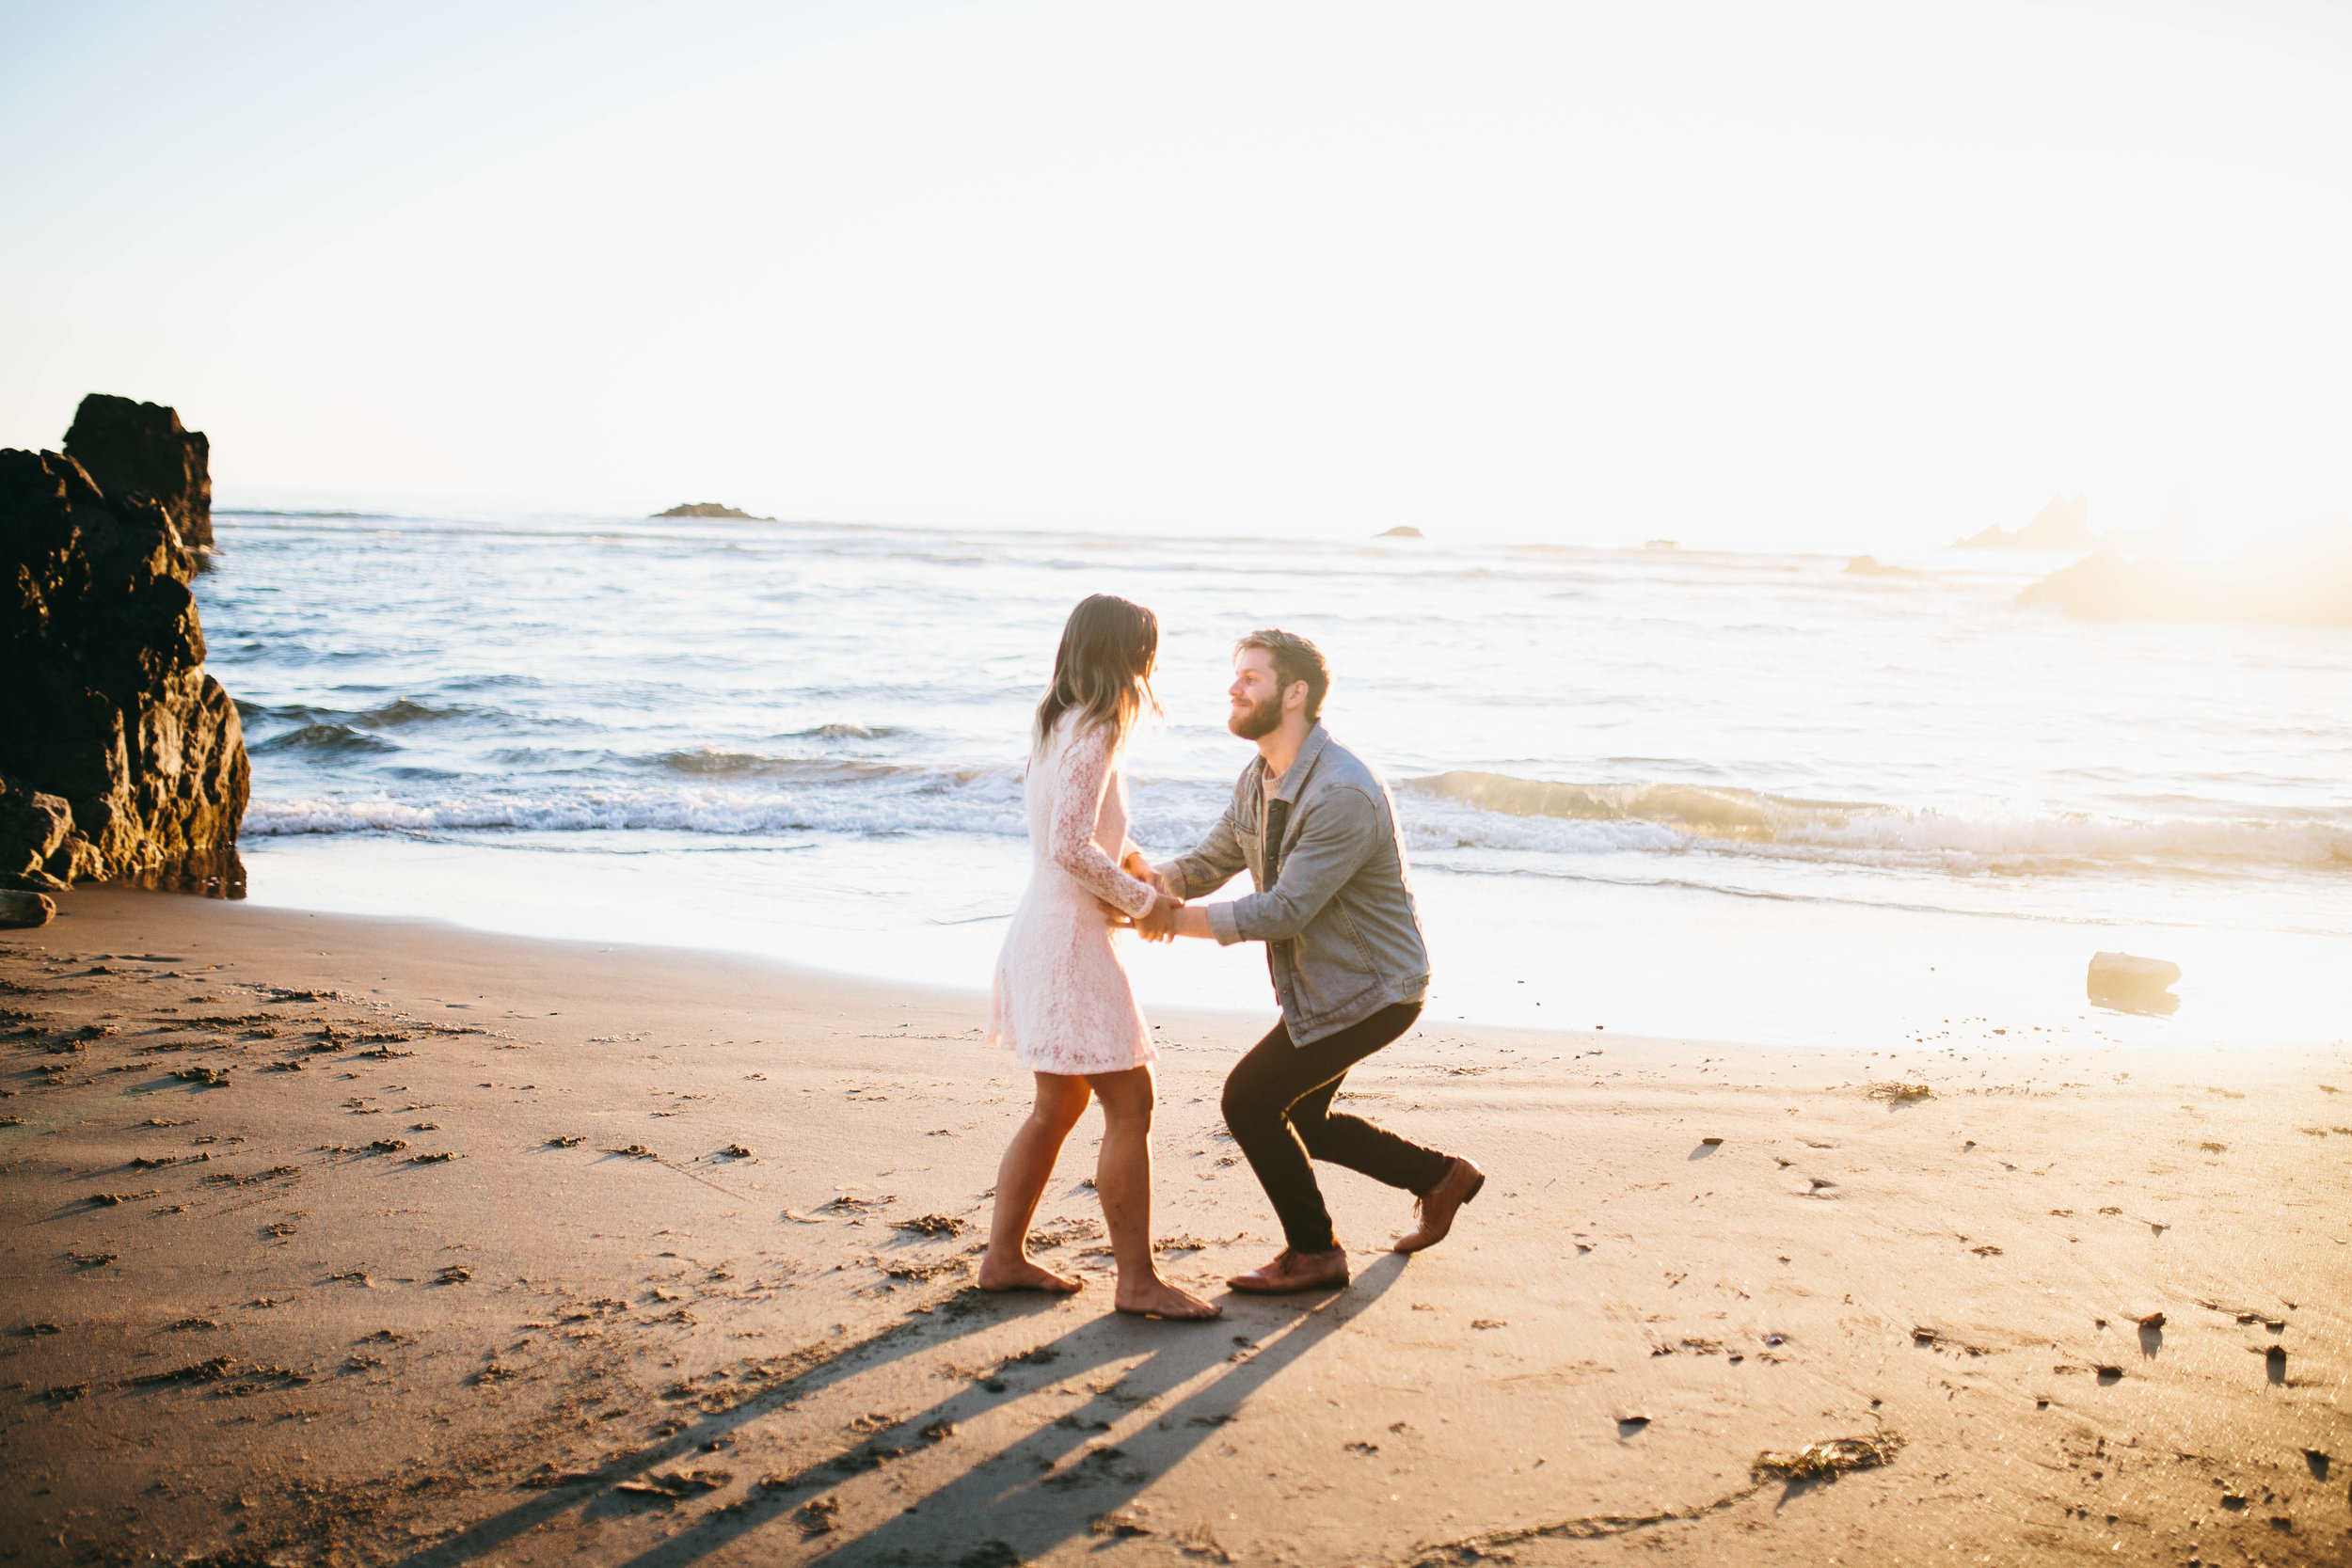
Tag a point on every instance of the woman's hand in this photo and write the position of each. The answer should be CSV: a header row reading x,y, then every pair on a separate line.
x,y
1158,924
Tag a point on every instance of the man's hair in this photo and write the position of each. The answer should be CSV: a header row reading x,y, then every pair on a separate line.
x,y
1294,660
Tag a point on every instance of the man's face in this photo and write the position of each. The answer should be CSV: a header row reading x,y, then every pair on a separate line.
x,y
1257,695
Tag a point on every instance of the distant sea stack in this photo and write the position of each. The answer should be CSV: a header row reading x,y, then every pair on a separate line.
x,y
2061,525
711,508
140,449
120,757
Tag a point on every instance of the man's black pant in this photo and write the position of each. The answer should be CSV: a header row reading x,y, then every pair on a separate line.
x,y
1277,1105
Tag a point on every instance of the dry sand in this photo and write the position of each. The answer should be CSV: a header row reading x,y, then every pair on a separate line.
x,y
247,1315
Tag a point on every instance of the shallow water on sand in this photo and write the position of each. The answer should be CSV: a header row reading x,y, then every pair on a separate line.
x,y
1736,797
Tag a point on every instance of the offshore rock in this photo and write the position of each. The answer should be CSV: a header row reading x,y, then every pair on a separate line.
x,y
711,508
2131,984
2060,525
2309,585
120,757
140,449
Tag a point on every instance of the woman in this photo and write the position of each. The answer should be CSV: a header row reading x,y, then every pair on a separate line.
x,y
1061,998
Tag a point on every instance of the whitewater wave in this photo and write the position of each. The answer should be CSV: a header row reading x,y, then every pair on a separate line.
x,y
1493,811
847,732
984,801
1701,811
710,761
1448,815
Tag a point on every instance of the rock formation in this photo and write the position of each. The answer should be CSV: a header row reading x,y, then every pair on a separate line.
x,y
25,909
2133,984
120,757
2309,587
2061,525
134,449
711,508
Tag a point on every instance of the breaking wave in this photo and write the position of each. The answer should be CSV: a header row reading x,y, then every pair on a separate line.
x,y
391,714
847,732
712,762
1496,811
1694,809
916,799
739,793
327,737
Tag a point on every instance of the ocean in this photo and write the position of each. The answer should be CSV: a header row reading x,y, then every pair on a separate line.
x,y
1746,798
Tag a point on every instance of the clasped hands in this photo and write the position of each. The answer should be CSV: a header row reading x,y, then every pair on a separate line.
x,y
1158,922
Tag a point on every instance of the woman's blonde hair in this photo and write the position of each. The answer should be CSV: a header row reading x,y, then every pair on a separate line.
x,y
1102,669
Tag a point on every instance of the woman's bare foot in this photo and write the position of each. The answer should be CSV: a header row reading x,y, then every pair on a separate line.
x,y
1295,1271
1026,1274
1444,1202
1160,1299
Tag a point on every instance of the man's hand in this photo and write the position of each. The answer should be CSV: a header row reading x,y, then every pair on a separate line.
x,y
1158,924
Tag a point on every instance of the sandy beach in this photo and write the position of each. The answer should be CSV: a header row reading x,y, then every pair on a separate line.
x,y
341,1240
1768,578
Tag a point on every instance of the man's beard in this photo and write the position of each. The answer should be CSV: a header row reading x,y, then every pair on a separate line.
x,y
1259,720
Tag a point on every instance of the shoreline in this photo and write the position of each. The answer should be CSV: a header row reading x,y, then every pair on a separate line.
x,y
1514,954
532,1347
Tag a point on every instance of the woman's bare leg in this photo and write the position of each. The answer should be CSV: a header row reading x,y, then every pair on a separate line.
x,y
1122,1180
1020,1178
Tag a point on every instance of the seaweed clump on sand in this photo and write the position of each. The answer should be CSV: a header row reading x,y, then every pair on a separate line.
x,y
1831,1456
936,1225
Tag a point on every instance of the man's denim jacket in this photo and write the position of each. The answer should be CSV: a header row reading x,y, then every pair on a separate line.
x,y
1342,938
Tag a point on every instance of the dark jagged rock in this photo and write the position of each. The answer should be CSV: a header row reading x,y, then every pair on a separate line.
x,y
32,828
140,449
120,757
711,508
25,909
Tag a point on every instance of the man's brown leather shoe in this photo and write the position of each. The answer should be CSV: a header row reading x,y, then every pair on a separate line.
x,y
1437,1209
1294,1271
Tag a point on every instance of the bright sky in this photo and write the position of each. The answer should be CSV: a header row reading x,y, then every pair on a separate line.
x,y
1858,275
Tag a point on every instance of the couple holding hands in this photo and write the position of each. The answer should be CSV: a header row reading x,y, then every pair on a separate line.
x,y
1317,830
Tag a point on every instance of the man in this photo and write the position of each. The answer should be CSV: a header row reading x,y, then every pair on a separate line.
x,y
1317,832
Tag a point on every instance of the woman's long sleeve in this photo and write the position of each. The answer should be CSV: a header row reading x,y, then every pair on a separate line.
x,y
1082,773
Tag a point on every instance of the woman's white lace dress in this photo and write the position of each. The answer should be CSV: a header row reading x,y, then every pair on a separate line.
x,y
1061,998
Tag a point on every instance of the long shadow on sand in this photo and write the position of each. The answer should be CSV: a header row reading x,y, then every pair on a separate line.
x,y
928,1330
1033,1496
1027,1498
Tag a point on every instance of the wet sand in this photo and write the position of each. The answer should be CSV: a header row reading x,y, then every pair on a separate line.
x,y
691,1283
